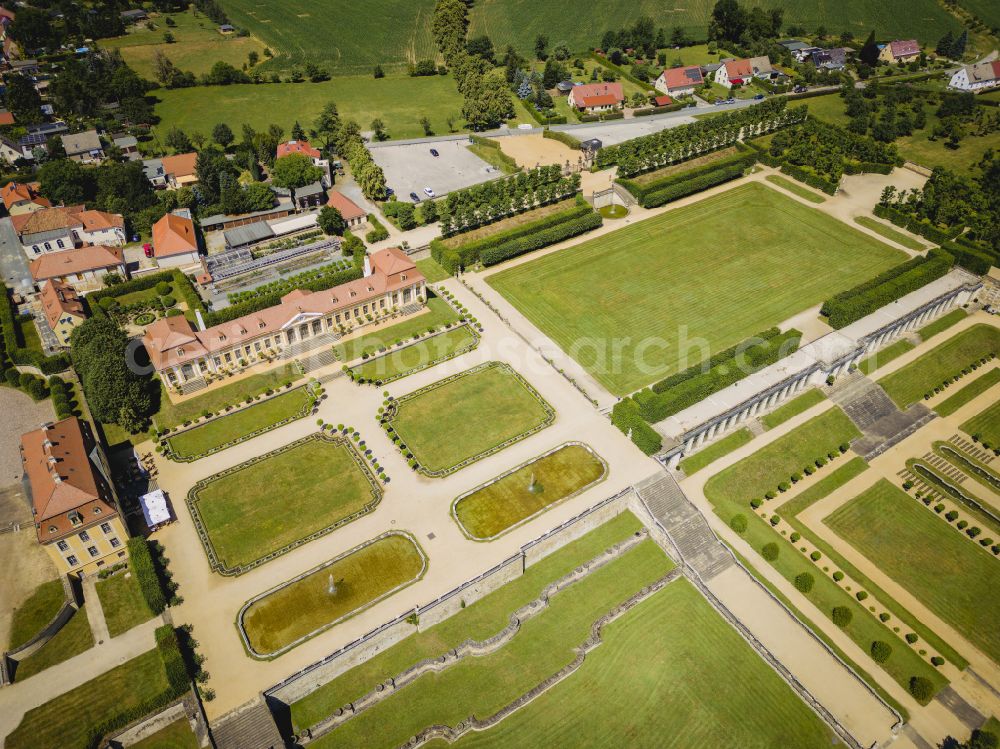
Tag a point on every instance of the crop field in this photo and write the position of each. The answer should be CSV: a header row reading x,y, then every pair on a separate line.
x,y
919,550
399,101
660,295
196,47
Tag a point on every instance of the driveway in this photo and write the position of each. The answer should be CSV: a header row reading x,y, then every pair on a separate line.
x,y
13,263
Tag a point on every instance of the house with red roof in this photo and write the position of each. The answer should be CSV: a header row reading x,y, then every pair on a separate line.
x,y
353,214
175,242
597,97
63,309
679,81
977,77
22,197
52,230
303,148
900,51
738,72
83,267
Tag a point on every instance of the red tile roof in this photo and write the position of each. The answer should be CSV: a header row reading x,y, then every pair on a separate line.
x,y
181,165
663,101
739,69
904,48
80,260
686,77
6,118
597,94
298,146
174,235
19,192
58,300
347,207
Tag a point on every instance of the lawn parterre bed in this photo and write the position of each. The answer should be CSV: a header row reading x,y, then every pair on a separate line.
x,y
771,257
36,612
918,550
943,323
968,393
477,621
670,673
883,357
177,735
795,188
942,363
122,602
793,408
244,424
985,426
463,418
438,313
417,356
277,621
260,509
528,490
74,638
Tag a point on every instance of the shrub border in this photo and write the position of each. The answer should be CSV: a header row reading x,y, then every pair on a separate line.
x,y
193,499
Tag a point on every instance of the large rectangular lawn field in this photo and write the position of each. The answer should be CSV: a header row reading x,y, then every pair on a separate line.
x,y
716,272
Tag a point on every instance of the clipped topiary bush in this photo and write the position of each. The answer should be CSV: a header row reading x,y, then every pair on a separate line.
x,y
921,688
738,523
770,551
838,576
881,651
841,616
804,582
911,637
861,595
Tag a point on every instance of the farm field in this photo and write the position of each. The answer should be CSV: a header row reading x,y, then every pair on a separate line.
x,y
908,384
306,606
262,507
671,673
399,101
482,685
771,258
478,410
532,488
196,47
919,550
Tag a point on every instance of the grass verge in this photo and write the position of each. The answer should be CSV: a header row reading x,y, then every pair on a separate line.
x,y
122,602
74,638
715,451
968,393
793,408
795,188
883,357
889,233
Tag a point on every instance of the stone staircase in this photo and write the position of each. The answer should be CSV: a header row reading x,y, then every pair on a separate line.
x,y
248,727
322,358
194,385
309,344
697,545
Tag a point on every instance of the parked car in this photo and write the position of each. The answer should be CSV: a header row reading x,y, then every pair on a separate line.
x,y
147,249
429,191
434,152
798,89
719,101
414,197
730,100
758,97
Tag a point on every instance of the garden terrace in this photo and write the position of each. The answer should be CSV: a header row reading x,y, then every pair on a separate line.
x,y
35,613
715,451
528,490
245,423
793,408
439,313
74,638
600,291
939,366
481,411
123,603
918,550
245,517
286,616
985,427
413,357
968,393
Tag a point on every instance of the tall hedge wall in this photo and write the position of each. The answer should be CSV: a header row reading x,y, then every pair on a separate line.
x,y
642,192
562,137
686,183
974,259
541,238
142,566
625,415
920,226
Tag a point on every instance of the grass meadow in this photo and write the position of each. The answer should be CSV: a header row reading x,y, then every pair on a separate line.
x,y
919,550
660,294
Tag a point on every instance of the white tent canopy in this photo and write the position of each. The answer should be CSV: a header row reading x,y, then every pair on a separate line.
x,y
154,508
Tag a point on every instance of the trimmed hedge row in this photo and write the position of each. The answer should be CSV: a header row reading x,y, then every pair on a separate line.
x,y
377,232
923,227
625,415
657,403
142,566
173,661
141,283
541,238
809,177
453,259
972,259
564,138
641,191
675,107
695,180
855,303
867,167
499,154
269,300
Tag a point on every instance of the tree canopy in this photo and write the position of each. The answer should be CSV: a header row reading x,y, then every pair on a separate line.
x,y
294,171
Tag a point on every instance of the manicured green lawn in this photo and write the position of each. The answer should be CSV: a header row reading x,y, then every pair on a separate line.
x,y
477,621
919,550
399,101
72,639
985,425
288,495
66,720
483,685
794,187
401,362
909,384
306,606
432,270
943,323
765,469
889,233
750,249
219,433
715,451
671,673
973,390
468,416
438,313
122,602
883,357
32,341
531,489
793,408
178,735
31,616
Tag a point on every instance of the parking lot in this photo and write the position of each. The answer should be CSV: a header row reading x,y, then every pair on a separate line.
x,y
411,167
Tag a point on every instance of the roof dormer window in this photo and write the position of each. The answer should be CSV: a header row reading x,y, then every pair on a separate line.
x,y
180,351
402,277
75,517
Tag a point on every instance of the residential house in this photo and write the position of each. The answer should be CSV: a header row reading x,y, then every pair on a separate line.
x,y
353,214
133,16
830,59
679,81
6,118
128,145
28,67
904,51
11,151
301,321
22,197
172,172
175,242
739,72
227,28
84,267
36,136
72,496
63,309
302,147
976,77
597,97
64,227
84,147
